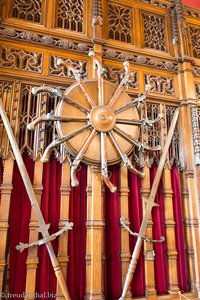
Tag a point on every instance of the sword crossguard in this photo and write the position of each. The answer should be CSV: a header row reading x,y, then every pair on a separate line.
x,y
146,239
22,246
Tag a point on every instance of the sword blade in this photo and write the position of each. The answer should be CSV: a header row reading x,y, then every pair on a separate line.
x,y
33,200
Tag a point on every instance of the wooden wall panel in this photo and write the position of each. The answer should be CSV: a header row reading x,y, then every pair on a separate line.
x,y
160,39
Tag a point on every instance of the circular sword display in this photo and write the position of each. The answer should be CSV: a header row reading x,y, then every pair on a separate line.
x,y
97,121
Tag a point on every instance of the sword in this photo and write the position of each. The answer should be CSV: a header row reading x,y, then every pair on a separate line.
x,y
150,205
43,227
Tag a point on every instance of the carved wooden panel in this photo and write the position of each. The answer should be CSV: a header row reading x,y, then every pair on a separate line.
x,y
34,142
174,148
70,15
161,84
26,10
27,112
119,23
115,75
154,31
63,71
43,39
154,132
14,58
6,90
195,40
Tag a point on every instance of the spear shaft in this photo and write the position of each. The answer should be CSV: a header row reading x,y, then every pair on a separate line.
x,y
43,227
150,204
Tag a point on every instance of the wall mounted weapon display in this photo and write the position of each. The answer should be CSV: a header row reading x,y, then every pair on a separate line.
x,y
99,124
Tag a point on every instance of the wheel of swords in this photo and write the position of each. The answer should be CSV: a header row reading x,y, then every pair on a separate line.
x,y
97,121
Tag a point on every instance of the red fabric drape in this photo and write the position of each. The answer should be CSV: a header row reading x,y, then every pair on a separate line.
x,y
112,239
20,211
77,238
50,207
194,3
179,230
135,217
160,249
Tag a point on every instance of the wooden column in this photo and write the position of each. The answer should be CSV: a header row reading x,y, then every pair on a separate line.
x,y
188,95
192,176
88,234
170,230
148,247
95,227
32,259
188,230
125,248
64,217
95,217
6,189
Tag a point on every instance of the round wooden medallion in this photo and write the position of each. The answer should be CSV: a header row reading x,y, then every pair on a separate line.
x,y
101,118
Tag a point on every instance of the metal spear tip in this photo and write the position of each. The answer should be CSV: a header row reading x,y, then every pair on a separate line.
x,y
59,61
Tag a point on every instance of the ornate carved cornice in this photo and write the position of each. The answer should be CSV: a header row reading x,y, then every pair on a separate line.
x,y
32,37
140,59
159,3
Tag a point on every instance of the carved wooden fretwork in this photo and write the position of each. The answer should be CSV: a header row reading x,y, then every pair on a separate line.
x,y
174,148
198,90
63,71
30,107
193,13
195,39
156,134
70,15
20,59
161,85
141,60
26,10
43,39
158,3
196,133
115,75
153,131
154,32
119,19
27,112
6,89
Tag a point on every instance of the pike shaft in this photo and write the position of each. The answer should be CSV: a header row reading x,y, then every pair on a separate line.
x,y
150,204
33,200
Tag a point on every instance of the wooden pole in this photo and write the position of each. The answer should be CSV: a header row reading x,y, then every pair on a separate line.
x,y
149,207
25,177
